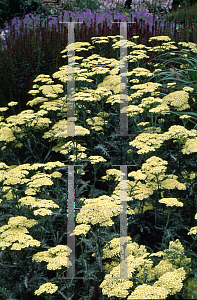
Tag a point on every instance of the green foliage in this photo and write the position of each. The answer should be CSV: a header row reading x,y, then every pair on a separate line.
x,y
185,11
93,5
5,294
4,13
149,224
16,8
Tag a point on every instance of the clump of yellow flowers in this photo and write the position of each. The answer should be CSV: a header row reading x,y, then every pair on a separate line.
x,y
28,186
146,280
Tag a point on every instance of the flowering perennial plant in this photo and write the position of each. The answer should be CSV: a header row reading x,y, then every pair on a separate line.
x,y
34,183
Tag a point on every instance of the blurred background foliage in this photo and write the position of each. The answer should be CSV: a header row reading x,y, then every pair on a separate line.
x,y
19,8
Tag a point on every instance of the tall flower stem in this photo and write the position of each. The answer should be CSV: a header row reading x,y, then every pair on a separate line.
x,y
99,249
42,229
95,178
84,259
165,229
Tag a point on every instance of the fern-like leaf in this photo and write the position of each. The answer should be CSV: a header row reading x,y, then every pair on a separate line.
x,y
102,149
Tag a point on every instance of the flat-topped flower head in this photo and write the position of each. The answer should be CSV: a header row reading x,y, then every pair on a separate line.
x,y
46,288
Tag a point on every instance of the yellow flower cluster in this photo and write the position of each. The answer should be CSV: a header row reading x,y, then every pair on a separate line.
x,y
35,202
77,157
56,257
113,174
15,234
96,123
71,146
81,229
193,230
15,175
171,202
48,288
145,291
39,180
163,267
96,159
98,210
172,281
168,273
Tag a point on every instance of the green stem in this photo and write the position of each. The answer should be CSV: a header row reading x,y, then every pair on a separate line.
x,y
99,249
169,212
42,229
134,119
85,260
95,171
152,120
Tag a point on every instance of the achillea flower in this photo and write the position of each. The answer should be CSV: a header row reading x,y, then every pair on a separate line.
x,y
16,176
53,164
178,99
40,179
188,89
48,288
193,230
98,210
6,135
185,117
162,267
42,212
35,202
190,146
147,87
179,132
3,109
154,165
149,101
171,202
116,287
138,175
37,100
172,281
143,124
147,142
32,192
71,146
81,229
134,110
22,221
96,123
79,130
146,291
12,103
56,174
77,157
96,159
113,174
56,257
40,123
14,234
